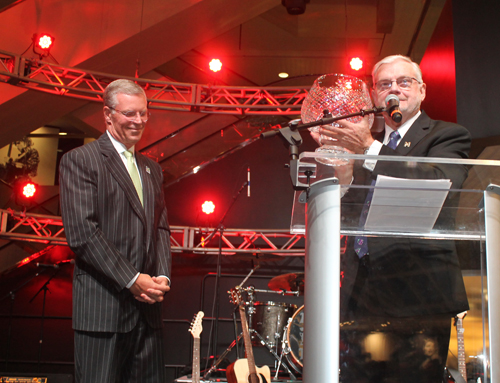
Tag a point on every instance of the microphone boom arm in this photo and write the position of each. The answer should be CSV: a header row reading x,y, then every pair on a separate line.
x,y
291,136
295,126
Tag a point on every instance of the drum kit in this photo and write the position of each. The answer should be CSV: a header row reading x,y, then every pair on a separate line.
x,y
278,326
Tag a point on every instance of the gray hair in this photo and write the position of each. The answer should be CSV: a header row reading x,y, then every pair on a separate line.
x,y
391,59
121,86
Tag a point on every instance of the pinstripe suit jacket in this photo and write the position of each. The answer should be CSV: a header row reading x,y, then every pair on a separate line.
x,y
112,235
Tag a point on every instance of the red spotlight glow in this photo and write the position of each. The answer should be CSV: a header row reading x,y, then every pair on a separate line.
x,y
208,207
215,65
42,44
29,190
356,63
45,41
25,192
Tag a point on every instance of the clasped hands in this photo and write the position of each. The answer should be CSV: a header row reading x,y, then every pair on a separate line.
x,y
149,289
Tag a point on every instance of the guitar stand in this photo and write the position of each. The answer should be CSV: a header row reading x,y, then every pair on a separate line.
x,y
279,358
222,357
262,341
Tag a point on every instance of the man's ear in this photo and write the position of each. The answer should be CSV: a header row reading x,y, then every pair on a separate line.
x,y
107,115
423,89
372,94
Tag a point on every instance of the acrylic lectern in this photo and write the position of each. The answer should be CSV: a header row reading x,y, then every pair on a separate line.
x,y
320,212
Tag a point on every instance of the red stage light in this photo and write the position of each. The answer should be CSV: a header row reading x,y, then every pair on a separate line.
x,y
42,44
215,65
29,189
45,41
25,192
208,207
356,63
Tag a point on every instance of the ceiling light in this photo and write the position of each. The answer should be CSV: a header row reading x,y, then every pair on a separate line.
x,y
295,7
283,75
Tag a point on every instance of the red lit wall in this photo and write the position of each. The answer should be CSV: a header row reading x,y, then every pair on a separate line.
x,y
438,68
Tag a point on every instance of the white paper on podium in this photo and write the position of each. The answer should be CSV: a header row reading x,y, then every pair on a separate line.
x,y
407,209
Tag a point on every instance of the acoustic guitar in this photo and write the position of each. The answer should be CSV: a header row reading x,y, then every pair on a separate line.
x,y
244,370
195,329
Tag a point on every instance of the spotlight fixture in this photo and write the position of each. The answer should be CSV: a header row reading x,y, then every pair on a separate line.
x,y
42,44
208,207
25,192
356,63
215,65
295,7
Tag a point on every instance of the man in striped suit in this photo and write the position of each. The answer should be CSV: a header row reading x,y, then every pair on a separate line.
x,y
115,220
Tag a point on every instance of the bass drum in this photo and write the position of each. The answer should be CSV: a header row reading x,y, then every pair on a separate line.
x,y
295,340
269,320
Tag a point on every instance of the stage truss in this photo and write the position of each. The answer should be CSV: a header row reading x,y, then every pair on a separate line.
x,y
87,85
47,229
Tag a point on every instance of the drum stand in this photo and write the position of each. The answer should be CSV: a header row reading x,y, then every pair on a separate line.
x,y
251,310
279,358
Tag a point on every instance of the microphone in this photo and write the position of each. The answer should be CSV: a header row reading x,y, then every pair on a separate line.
x,y
53,266
392,107
71,261
248,181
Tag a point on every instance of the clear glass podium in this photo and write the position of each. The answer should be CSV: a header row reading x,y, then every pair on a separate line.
x,y
402,207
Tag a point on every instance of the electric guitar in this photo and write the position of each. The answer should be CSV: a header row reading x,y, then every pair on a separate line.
x,y
461,346
454,376
195,329
244,370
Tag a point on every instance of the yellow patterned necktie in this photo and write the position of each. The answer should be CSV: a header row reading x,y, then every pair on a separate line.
x,y
134,174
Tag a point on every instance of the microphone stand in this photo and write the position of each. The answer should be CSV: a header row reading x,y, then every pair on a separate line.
x,y
12,295
295,126
236,336
220,228
292,138
44,288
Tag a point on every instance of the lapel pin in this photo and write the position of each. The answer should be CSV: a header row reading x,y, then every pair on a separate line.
x,y
407,144
148,170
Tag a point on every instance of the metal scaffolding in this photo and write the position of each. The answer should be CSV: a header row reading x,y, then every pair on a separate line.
x,y
87,85
47,229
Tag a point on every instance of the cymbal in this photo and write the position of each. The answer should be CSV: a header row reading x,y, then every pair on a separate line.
x,y
288,282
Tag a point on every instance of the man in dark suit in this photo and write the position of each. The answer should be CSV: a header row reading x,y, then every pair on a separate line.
x,y
410,288
115,221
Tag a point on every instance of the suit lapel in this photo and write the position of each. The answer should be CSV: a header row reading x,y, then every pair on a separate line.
x,y
417,131
147,190
118,171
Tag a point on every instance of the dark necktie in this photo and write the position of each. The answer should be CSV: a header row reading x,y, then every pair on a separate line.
x,y
361,243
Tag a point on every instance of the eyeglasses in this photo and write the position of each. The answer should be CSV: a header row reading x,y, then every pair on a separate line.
x,y
131,114
403,83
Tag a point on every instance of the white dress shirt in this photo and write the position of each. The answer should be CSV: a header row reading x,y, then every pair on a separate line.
x,y
376,146
120,148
